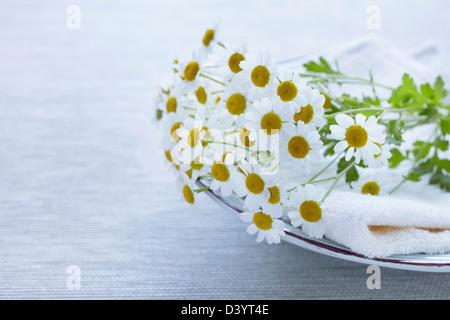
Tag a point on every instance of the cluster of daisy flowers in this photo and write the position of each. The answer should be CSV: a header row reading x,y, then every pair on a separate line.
x,y
253,130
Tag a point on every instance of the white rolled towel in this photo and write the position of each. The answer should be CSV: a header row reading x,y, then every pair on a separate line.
x,y
380,226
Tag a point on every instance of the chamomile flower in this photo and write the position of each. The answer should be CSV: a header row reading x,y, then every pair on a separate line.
x,y
360,137
190,71
191,134
172,163
278,196
312,110
251,184
221,172
268,226
292,90
271,117
209,40
234,99
201,93
229,59
169,126
307,211
381,159
377,182
371,187
301,148
172,100
247,137
192,171
258,75
186,190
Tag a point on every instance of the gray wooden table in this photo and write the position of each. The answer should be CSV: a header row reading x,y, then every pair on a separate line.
x,y
83,185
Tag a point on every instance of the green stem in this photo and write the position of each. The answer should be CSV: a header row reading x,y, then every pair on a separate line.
x,y
372,109
324,169
340,76
397,186
212,79
221,44
317,181
202,189
336,179
228,144
317,174
416,160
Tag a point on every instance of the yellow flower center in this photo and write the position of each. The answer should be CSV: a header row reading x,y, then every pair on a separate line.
x,y
310,211
207,136
274,195
171,105
193,137
236,104
207,38
370,187
173,131
298,147
244,137
188,194
191,70
287,91
201,95
220,172
306,114
217,100
254,183
262,221
168,155
327,103
356,136
189,173
196,164
379,154
271,122
260,76
234,61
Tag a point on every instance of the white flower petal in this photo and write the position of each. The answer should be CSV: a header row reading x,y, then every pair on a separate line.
x,y
349,153
340,146
344,120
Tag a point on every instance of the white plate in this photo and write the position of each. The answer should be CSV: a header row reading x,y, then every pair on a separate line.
x,y
413,262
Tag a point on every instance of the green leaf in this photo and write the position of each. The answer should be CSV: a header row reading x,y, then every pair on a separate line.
x,y
406,93
396,158
394,131
439,90
445,125
413,176
442,144
443,164
421,149
351,175
322,66
440,179
372,101
424,167
427,91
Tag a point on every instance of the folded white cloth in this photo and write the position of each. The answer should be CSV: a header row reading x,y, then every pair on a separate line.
x,y
380,226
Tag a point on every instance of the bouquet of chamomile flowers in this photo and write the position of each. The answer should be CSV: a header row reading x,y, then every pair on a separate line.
x,y
281,141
